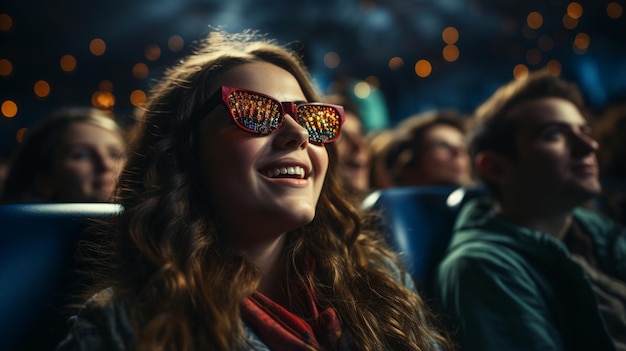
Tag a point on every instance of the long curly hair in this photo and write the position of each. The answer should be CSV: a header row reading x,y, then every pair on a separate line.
x,y
181,286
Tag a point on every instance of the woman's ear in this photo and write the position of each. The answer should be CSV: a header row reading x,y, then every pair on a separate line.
x,y
493,167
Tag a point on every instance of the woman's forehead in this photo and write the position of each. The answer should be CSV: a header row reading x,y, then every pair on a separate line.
x,y
266,78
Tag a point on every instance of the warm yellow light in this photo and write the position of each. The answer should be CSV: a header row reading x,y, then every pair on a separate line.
x,y
97,47
105,85
175,43
103,100
153,52
6,22
8,108
19,136
42,88
450,53
140,71
137,97
582,41
423,68
372,81
450,35
533,56
614,10
6,68
575,10
68,63
332,59
395,63
520,72
569,22
362,90
534,20
554,67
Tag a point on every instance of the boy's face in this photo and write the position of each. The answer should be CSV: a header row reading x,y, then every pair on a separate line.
x,y
556,157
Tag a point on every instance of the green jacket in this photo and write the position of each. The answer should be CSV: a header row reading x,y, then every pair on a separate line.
x,y
507,287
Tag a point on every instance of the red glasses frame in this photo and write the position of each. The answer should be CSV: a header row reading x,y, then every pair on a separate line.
x,y
322,121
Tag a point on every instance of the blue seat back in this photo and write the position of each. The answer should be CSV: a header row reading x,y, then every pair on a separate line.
x,y
37,244
418,223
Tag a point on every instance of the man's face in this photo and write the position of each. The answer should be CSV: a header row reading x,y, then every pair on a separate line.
x,y
556,157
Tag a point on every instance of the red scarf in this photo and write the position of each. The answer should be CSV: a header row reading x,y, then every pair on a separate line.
x,y
282,330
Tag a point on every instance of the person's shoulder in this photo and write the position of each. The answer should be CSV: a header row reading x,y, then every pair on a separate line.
x,y
101,324
596,222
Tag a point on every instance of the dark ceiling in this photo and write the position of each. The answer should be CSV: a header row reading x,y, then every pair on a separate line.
x,y
494,37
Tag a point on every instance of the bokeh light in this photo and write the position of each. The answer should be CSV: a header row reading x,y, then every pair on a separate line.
x,y
153,52
137,98
175,43
520,72
451,53
105,85
332,59
6,68
97,47
534,20
614,10
569,22
41,89
19,136
6,22
423,68
395,63
140,71
68,63
103,100
554,67
362,90
575,10
450,35
8,108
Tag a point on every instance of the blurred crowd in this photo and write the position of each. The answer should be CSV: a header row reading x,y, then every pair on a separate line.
x,y
525,146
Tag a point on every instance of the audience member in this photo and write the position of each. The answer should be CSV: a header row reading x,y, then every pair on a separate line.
x,y
528,268
235,235
610,130
353,153
430,149
379,143
75,155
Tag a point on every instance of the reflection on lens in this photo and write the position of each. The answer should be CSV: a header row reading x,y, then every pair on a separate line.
x,y
255,113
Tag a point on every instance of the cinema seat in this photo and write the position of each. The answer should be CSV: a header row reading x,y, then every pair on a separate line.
x,y
36,261
418,223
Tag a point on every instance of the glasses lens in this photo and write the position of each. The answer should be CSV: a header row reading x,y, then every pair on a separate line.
x,y
255,113
321,121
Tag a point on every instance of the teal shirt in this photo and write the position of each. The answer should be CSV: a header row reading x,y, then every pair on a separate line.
x,y
510,288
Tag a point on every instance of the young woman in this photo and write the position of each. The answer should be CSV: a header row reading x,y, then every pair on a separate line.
x,y
235,234
75,155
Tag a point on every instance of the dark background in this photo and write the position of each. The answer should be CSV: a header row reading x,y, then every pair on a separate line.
x,y
493,38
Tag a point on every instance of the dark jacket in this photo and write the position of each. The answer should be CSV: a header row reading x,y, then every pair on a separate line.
x,y
507,287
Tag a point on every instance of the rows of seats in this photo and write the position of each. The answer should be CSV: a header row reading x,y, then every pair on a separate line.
x,y
36,269
38,242
418,223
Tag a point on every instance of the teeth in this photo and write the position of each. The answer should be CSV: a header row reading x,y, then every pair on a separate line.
x,y
296,171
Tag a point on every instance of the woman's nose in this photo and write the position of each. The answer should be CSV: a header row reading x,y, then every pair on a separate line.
x,y
291,134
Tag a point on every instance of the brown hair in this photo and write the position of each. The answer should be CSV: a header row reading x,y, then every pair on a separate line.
x,y
407,147
181,286
495,122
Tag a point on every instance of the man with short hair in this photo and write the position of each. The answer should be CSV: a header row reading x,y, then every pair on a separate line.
x,y
527,267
